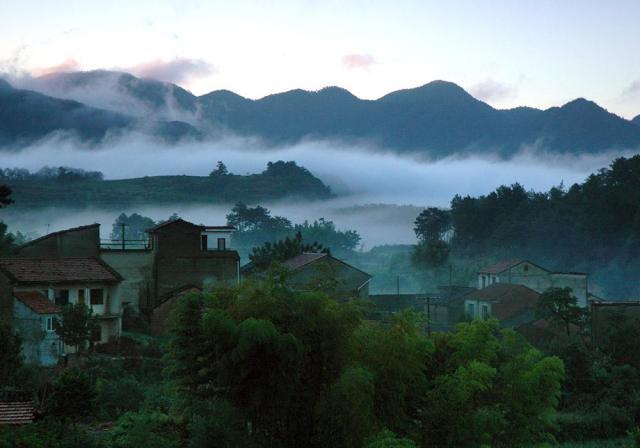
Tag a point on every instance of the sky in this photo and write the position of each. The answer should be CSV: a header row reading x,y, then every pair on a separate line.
x,y
538,53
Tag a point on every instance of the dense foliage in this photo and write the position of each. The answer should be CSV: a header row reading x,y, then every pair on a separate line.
x,y
300,369
592,227
77,325
255,226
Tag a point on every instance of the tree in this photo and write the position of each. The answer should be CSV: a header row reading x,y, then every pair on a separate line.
x,y
560,305
262,257
430,254
135,227
77,326
5,192
10,356
73,395
221,170
432,224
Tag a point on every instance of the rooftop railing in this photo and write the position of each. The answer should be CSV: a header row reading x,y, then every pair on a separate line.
x,y
125,244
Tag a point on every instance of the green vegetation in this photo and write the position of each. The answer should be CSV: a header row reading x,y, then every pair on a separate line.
x,y
278,181
591,227
77,325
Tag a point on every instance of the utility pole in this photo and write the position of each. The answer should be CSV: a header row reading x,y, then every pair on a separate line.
x,y
122,235
398,285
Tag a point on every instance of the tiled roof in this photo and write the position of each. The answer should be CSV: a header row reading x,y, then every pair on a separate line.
x,y
507,300
303,259
53,234
37,302
57,270
499,267
16,408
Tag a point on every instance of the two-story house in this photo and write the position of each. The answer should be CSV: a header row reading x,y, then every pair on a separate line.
x,y
534,276
26,283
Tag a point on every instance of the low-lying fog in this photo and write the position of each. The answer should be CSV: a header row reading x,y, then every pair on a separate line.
x,y
358,174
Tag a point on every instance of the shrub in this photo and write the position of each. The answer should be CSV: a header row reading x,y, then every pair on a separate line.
x,y
145,429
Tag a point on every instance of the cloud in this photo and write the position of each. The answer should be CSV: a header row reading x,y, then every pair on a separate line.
x,y
357,61
490,90
178,70
632,91
68,65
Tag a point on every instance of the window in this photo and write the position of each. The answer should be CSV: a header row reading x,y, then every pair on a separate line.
x,y
485,312
204,243
61,297
96,297
49,323
81,296
222,244
526,267
493,279
484,281
471,309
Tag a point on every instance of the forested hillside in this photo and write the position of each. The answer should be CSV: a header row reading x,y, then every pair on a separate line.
x,y
593,226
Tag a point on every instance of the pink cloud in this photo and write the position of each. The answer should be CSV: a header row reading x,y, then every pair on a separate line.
x,y
177,70
356,61
68,65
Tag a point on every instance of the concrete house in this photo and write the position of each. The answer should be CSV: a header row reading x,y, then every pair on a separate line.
x,y
533,276
33,317
513,305
177,254
61,281
310,267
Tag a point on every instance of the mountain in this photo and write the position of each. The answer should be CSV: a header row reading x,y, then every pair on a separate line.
x,y
27,116
437,119
636,120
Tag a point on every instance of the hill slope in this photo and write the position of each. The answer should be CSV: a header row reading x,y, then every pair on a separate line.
x,y
280,180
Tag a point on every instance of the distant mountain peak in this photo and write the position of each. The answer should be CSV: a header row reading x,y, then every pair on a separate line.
x,y
582,104
4,85
636,120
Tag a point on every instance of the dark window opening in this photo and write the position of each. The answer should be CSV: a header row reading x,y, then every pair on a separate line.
x,y
96,297
222,244
81,296
204,243
61,297
526,267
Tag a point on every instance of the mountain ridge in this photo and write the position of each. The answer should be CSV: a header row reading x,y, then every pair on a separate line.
x,y
436,119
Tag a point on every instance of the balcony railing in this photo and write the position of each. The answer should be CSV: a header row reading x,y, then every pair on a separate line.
x,y
125,244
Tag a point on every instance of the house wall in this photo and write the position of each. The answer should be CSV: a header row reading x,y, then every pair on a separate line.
x,y
528,275
109,313
349,279
135,267
39,346
84,242
178,260
605,315
203,270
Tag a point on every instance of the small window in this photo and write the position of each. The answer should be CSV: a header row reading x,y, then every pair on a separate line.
x,y
222,244
204,242
484,281
61,297
493,279
471,309
485,312
49,324
526,267
96,297
81,296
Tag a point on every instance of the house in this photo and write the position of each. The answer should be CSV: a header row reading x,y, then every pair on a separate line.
x,y
16,408
513,305
61,281
34,315
534,276
441,308
608,314
177,253
312,268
